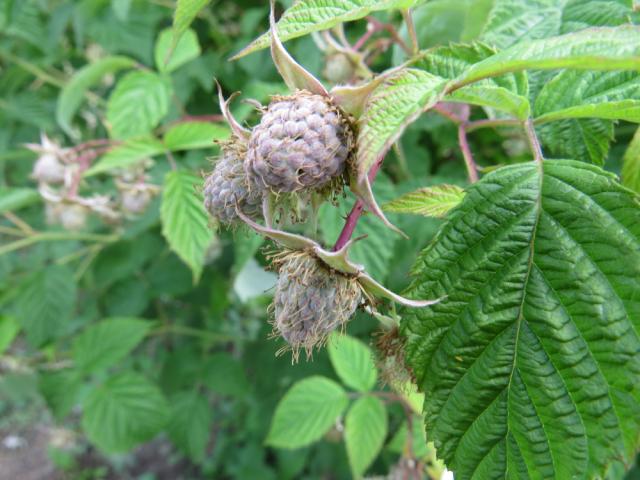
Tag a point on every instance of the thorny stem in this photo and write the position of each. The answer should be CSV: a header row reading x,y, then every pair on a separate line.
x,y
349,225
355,213
533,141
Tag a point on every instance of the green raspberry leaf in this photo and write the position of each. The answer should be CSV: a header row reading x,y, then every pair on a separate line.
x,y
127,154
306,412
585,138
185,223
602,48
123,412
102,345
61,390
433,201
353,362
631,164
194,135
186,12
364,432
576,94
190,424
138,104
9,329
507,93
393,105
45,305
307,16
515,21
73,93
531,363
168,57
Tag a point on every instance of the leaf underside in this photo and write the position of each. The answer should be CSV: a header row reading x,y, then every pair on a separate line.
x,y
434,201
390,108
307,16
530,366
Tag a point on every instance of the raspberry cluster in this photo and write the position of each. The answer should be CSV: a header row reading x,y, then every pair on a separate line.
x,y
301,145
311,301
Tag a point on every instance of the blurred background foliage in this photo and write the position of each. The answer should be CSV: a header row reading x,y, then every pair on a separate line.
x,y
200,363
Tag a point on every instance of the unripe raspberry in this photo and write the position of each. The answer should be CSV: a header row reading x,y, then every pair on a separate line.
x,y
227,186
70,215
48,169
301,143
135,201
135,198
73,217
311,301
338,68
390,360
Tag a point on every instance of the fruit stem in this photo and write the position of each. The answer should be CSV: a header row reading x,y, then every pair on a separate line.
x,y
84,162
411,30
354,215
56,236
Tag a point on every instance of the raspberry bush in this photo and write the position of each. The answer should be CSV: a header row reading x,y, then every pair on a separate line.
x,y
410,250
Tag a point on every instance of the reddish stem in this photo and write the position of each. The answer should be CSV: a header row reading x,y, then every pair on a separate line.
x,y
459,114
472,169
356,212
453,111
92,143
375,26
363,39
84,161
349,225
